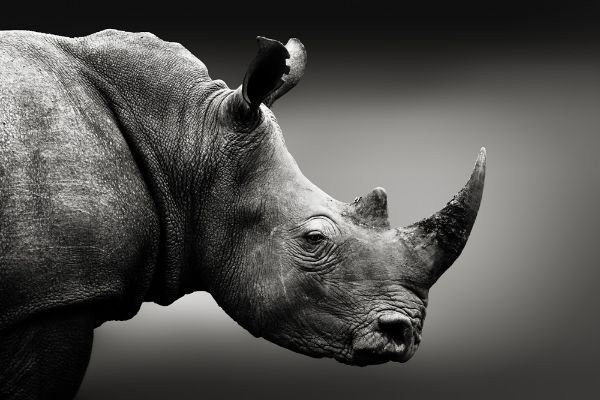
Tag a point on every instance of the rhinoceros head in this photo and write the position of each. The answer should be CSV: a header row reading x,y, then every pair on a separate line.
x,y
308,272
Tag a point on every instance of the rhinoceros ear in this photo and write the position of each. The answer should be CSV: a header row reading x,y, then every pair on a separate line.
x,y
297,64
268,76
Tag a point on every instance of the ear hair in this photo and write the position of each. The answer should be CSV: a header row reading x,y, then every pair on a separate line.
x,y
297,64
265,71
269,77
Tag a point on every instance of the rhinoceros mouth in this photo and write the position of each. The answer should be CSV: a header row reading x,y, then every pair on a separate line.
x,y
377,349
378,355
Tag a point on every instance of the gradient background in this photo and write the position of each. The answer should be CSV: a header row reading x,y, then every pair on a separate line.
x,y
401,97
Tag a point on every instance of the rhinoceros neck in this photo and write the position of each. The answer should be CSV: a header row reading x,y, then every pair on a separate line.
x,y
160,95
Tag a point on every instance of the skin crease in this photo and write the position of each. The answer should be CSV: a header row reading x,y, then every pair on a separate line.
x,y
129,175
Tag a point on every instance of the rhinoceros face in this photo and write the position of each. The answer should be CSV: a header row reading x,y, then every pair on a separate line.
x,y
313,274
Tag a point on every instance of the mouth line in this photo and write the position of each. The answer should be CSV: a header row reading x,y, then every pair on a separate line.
x,y
380,353
380,356
378,348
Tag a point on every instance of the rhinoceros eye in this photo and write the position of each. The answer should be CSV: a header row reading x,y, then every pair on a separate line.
x,y
315,234
313,247
315,238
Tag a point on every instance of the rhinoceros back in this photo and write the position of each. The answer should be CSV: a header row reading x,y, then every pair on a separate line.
x,y
78,227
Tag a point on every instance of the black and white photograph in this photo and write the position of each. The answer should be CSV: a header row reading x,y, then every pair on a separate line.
x,y
299,200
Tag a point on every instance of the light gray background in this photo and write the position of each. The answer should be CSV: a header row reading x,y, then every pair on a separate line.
x,y
404,101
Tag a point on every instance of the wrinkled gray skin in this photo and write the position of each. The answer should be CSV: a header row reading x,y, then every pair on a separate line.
x,y
128,175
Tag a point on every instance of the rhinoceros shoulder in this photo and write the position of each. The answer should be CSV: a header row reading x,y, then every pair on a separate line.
x,y
78,226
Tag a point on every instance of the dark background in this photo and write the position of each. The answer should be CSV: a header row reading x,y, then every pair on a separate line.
x,y
401,96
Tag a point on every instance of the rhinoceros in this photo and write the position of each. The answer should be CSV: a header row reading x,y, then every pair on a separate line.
x,y
128,175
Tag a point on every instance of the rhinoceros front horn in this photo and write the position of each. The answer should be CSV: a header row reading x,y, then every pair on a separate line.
x,y
439,239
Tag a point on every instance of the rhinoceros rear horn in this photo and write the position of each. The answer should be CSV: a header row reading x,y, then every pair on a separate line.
x,y
439,239
273,72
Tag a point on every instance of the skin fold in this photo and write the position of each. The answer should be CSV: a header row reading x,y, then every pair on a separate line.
x,y
128,175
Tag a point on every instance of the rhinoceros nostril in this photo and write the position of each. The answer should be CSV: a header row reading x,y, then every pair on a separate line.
x,y
396,327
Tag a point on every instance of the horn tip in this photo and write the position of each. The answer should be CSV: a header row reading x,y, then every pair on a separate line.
x,y
479,170
482,156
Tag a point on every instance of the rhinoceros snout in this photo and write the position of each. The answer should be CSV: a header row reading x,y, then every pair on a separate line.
x,y
391,338
396,328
